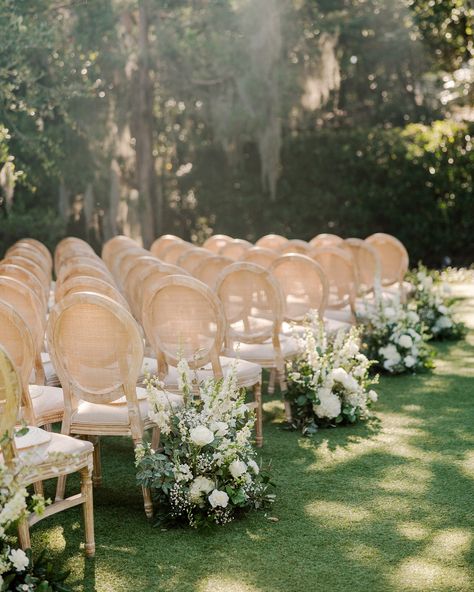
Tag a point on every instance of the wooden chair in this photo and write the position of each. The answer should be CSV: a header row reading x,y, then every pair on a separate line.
x,y
304,286
84,269
153,277
338,266
30,252
295,246
132,282
394,262
69,247
260,256
26,277
367,266
124,261
174,251
47,456
81,283
39,246
41,405
97,349
274,242
326,240
114,246
253,308
183,318
208,271
162,243
215,242
235,249
34,268
190,259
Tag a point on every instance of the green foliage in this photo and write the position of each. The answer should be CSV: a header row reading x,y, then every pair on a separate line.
x,y
42,575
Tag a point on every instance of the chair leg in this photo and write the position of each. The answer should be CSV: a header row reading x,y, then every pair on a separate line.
x,y
257,393
88,507
97,473
24,534
60,488
147,502
282,382
38,487
155,439
271,381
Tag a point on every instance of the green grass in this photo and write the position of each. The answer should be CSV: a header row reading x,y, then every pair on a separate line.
x,y
386,506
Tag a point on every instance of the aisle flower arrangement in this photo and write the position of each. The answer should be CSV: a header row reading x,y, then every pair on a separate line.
x,y
18,571
434,306
207,471
395,336
329,383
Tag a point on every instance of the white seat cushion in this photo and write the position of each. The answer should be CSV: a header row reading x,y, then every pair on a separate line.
x,y
117,414
46,399
340,314
49,372
248,373
394,289
290,329
37,445
333,325
264,353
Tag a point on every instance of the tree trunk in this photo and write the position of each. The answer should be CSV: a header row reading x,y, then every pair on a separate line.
x,y
144,130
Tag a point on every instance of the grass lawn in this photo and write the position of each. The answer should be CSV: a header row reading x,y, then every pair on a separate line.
x,y
387,506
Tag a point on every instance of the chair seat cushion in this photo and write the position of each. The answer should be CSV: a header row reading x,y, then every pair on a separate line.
x,y
114,414
333,325
264,353
248,373
37,445
51,377
46,400
394,289
340,314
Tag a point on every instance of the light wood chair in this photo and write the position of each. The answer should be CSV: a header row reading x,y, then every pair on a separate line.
x,y
394,262
338,265
162,243
253,307
304,286
235,249
174,251
215,242
69,247
81,283
153,277
84,269
295,245
274,242
40,247
190,259
114,246
43,277
183,318
30,252
260,256
124,261
97,349
208,271
41,405
367,266
326,240
132,283
46,455
26,277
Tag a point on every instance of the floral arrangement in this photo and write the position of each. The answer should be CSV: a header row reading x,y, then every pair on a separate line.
x,y
329,383
206,472
18,571
395,336
433,305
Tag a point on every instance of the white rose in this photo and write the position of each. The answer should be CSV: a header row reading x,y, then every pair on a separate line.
x,y
237,468
409,361
19,559
253,465
201,435
373,396
443,309
199,486
220,428
405,341
218,498
339,375
391,354
443,323
329,405
412,316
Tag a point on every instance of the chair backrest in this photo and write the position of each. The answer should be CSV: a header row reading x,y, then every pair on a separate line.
x,y
295,245
28,306
303,283
191,258
253,303
96,348
26,277
172,253
17,340
124,261
153,278
183,318
208,270
30,265
215,242
338,266
87,269
132,283
40,247
10,396
162,243
30,252
326,240
393,257
367,264
69,247
235,249
260,256
275,242
82,283
114,246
